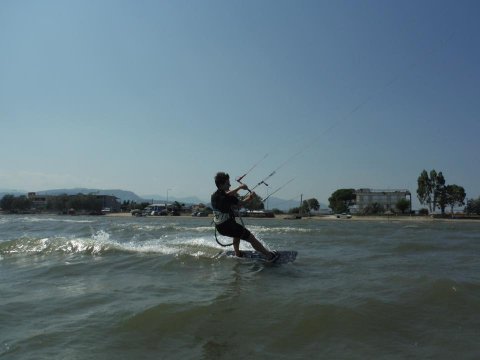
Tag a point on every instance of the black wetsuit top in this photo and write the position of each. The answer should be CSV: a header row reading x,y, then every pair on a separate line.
x,y
224,219
222,202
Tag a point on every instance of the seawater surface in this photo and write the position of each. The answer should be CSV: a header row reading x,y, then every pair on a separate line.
x,y
155,288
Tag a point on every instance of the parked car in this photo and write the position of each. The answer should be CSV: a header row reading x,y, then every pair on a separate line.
x,y
200,213
136,212
344,216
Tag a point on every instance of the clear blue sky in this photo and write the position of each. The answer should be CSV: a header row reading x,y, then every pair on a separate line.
x,y
155,95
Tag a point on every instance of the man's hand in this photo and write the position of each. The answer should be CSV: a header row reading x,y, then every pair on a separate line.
x,y
242,187
237,189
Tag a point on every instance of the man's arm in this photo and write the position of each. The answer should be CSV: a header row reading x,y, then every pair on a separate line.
x,y
236,190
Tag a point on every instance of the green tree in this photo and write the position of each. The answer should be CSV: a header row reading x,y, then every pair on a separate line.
x,y
7,202
423,212
473,206
402,205
313,204
438,187
455,196
423,189
13,203
442,199
127,205
295,210
177,206
142,205
309,205
304,208
431,189
255,204
341,199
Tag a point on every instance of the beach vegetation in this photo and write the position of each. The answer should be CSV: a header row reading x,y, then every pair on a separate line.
x,y
373,209
455,196
130,205
6,202
473,206
311,204
306,207
402,205
13,204
423,189
341,199
255,204
433,191
79,202
423,212
57,203
294,210
431,188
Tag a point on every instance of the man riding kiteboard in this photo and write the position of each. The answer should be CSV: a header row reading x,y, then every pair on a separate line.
x,y
223,202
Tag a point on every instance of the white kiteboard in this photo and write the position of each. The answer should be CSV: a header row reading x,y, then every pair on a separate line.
x,y
285,256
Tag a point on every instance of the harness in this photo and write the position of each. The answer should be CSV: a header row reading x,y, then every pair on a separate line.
x,y
220,218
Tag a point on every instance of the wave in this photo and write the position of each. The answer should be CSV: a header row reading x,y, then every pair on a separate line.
x,y
101,243
32,219
210,229
170,227
97,244
281,229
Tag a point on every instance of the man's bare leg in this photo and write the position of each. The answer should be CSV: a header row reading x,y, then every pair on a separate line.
x,y
257,245
236,247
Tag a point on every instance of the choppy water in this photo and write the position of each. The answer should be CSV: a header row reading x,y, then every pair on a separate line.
x,y
154,288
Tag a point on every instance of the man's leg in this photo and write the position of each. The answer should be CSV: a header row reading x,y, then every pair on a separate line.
x,y
257,245
236,247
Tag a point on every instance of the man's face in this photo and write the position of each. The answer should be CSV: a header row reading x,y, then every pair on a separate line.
x,y
227,185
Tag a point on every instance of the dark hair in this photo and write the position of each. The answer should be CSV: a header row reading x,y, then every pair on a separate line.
x,y
221,178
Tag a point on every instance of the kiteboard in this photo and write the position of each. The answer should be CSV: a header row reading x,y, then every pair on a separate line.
x,y
284,256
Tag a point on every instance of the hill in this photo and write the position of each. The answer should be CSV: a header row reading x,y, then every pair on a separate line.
x,y
123,195
4,192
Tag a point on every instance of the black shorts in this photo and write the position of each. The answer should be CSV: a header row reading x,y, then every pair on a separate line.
x,y
233,229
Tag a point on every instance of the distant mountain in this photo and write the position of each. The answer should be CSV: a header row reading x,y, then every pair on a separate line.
x,y
123,195
4,192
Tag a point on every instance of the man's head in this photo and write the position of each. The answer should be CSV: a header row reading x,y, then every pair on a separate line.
x,y
222,180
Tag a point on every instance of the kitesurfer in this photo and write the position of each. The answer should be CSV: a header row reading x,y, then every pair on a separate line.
x,y
224,201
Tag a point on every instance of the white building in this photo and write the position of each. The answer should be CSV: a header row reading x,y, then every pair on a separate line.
x,y
386,198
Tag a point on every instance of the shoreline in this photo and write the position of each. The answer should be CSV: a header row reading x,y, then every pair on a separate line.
x,y
373,218
404,218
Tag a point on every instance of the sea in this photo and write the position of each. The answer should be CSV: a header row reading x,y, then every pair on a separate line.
x,y
158,288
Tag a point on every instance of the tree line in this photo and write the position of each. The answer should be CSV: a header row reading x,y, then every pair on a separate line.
x,y
59,203
342,199
13,203
432,191
305,208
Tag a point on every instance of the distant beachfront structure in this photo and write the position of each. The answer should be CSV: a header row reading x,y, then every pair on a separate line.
x,y
108,202
386,198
